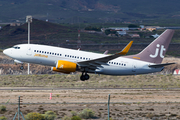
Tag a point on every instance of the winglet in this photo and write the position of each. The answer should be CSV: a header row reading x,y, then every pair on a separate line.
x,y
126,49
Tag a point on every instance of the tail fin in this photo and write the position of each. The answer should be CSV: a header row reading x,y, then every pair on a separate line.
x,y
155,51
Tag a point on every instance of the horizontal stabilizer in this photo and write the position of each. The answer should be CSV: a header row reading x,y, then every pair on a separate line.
x,y
161,65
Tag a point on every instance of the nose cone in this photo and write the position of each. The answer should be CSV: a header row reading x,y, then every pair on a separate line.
x,y
6,52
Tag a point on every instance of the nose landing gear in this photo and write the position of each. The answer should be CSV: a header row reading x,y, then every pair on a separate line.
x,y
19,62
84,76
22,67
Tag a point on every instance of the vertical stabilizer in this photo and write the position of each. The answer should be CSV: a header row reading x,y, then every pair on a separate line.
x,y
155,51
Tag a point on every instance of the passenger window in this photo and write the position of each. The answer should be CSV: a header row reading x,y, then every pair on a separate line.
x,y
55,54
50,53
42,51
117,63
124,64
58,54
84,58
47,52
18,47
80,57
114,63
72,56
34,50
39,51
65,55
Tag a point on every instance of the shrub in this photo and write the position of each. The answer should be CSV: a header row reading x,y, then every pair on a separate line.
x,y
75,118
66,118
73,113
34,116
50,115
2,108
86,113
3,118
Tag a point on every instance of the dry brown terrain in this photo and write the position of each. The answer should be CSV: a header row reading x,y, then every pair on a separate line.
x,y
125,103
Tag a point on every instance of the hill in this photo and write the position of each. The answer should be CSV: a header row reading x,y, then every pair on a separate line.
x,y
57,35
74,11
41,32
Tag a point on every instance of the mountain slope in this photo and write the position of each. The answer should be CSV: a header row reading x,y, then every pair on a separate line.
x,y
88,10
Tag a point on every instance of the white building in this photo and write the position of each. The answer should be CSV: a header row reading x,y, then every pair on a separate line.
x,y
122,32
119,28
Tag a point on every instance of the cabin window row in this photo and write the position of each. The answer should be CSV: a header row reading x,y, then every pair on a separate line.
x,y
71,56
51,53
115,63
77,57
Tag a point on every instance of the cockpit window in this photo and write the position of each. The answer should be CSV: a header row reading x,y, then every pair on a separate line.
x,y
16,47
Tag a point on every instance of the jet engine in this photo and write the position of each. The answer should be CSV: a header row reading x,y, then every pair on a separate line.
x,y
65,67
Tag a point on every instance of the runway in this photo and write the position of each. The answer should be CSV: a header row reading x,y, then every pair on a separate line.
x,y
88,96
60,88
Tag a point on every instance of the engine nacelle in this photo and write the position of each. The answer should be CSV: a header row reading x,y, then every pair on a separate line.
x,y
65,66
57,70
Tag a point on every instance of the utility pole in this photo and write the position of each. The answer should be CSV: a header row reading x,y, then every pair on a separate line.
x,y
19,111
79,35
108,105
28,20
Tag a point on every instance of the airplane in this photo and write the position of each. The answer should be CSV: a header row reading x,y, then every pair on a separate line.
x,y
68,60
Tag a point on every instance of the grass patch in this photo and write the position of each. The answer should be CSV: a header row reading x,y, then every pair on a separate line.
x,y
96,81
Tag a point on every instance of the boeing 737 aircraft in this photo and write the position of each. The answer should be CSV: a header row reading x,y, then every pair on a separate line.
x,y
68,60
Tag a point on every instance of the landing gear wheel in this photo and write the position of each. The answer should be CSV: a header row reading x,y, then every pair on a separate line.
x,y
22,68
84,77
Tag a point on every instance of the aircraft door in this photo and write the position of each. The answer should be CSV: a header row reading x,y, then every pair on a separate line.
x,y
29,51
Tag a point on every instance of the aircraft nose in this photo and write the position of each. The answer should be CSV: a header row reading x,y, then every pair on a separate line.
x,y
6,52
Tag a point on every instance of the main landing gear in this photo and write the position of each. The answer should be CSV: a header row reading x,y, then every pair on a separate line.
x,y
84,76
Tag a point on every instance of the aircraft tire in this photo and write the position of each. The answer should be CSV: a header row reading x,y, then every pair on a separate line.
x,y
22,68
82,78
86,76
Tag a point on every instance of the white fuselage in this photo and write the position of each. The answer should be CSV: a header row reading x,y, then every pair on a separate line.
x,y
49,55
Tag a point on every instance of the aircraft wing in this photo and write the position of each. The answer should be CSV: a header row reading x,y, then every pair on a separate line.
x,y
103,60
